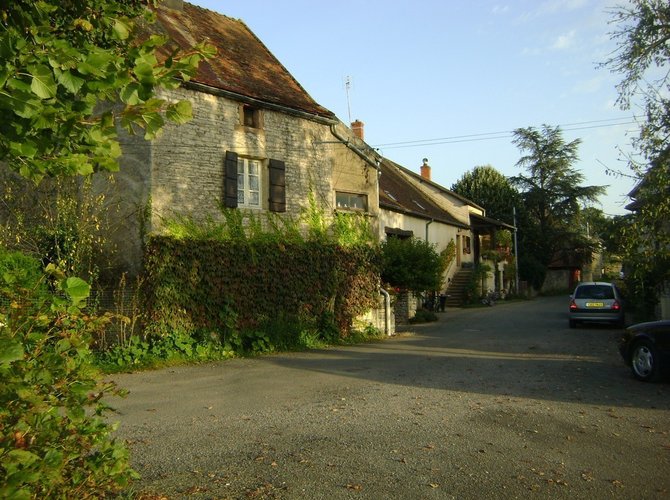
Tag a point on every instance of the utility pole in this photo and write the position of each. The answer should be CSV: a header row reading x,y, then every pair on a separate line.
x,y
516,253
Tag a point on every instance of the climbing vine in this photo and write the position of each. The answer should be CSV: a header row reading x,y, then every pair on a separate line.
x,y
247,272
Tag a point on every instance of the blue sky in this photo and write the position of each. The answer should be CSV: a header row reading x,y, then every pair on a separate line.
x,y
449,80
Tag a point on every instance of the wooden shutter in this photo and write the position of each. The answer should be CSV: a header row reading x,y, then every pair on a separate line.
x,y
277,186
230,180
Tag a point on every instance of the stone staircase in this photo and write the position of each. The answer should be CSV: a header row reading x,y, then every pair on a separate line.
x,y
457,287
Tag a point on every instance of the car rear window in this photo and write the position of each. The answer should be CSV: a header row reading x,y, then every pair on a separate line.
x,y
594,292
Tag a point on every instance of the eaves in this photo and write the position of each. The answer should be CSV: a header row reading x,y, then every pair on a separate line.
x,y
207,89
405,211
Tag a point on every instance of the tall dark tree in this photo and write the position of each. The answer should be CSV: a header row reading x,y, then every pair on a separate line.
x,y
553,196
490,189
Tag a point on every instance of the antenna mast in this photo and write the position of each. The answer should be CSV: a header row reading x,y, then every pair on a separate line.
x,y
347,86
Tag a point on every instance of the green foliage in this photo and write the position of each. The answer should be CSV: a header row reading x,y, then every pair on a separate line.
x,y
18,273
448,255
352,229
490,189
643,59
195,284
411,264
63,65
262,282
175,346
423,316
54,441
647,241
474,289
552,195
643,52
61,222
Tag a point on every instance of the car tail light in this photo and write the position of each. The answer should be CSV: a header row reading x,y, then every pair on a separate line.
x,y
573,306
615,305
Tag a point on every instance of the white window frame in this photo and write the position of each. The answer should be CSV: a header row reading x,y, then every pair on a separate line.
x,y
245,176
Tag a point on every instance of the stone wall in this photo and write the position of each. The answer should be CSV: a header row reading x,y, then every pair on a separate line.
x,y
377,318
182,171
405,307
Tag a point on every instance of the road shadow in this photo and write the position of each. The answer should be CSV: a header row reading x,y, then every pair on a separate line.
x,y
514,350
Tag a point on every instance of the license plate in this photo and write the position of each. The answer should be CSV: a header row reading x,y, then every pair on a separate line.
x,y
595,304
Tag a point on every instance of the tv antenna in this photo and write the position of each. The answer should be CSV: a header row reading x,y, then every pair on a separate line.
x,y
347,87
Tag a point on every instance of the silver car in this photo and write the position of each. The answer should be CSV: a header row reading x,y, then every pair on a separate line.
x,y
596,301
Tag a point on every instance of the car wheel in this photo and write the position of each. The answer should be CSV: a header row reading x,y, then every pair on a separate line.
x,y
572,323
644,361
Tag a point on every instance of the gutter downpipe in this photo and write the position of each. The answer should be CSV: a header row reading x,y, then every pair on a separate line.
x,y
387,312
428,224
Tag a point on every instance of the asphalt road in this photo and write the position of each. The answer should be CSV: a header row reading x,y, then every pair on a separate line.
x,y
500,402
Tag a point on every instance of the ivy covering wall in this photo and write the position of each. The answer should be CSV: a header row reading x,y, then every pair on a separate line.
x,y
225,286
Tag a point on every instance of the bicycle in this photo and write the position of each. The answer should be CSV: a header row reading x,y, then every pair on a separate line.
x,y
490,298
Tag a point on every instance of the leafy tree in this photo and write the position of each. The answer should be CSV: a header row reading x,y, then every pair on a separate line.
x,y
492,190
643,37
411,264
64,67
55,442
642,58
646,241
552,194
70,72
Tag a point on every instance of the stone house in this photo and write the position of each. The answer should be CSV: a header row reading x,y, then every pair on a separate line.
x,y
257,141
411,204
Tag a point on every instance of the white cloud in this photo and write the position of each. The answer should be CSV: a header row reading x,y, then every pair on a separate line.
x,y
589,86
554,6
564,41
499,9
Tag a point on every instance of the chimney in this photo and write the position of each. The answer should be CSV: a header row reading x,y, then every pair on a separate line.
x,y
357,128
174,4
425,169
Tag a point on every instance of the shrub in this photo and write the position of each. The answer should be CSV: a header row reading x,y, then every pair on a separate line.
x,y
54,441
423,316
412,264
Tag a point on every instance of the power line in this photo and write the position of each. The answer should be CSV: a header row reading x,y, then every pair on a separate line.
x,y
506,134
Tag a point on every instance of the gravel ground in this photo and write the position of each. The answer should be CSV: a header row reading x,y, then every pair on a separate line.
x,y
501,402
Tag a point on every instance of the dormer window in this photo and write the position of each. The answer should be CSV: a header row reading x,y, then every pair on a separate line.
x,y
251,116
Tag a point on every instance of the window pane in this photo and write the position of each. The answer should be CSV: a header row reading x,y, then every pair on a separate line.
x,y
240,166
254,183
254,198
253,168
351,201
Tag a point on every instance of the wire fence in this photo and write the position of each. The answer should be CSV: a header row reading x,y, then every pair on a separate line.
x,y
122,307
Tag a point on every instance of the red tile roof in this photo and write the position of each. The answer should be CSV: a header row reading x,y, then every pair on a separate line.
x,y
243,65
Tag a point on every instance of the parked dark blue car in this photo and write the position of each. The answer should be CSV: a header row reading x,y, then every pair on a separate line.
x,y
645,347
